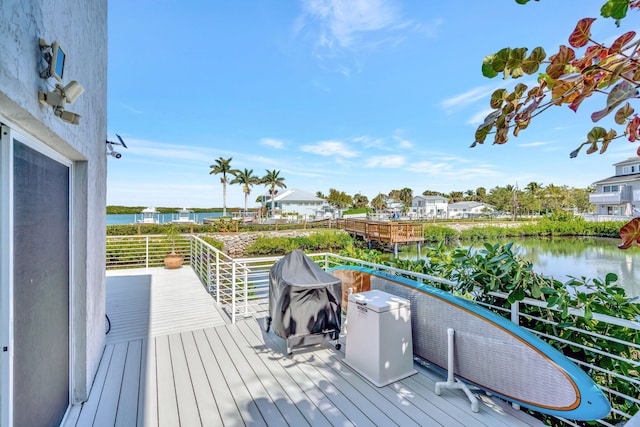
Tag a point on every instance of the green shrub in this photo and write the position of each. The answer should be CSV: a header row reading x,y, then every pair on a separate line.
x,y
315,242
213,242
496,268
438,233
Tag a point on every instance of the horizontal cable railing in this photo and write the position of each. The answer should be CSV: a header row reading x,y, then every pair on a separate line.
x,y
143,251
241,287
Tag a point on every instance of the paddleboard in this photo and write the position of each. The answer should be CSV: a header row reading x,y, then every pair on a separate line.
x,y
491,352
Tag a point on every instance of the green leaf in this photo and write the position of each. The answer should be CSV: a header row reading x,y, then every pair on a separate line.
x,y
616,9
487,67
610,277
548,290
535,290
522,1
588,315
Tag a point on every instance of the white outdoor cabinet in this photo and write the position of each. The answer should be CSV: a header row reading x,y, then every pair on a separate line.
x,y
379,344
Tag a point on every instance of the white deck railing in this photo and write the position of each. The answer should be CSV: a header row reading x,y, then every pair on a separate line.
x,y
241,287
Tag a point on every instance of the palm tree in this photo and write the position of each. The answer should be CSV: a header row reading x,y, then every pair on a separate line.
x,y
223,166
272,180
246,178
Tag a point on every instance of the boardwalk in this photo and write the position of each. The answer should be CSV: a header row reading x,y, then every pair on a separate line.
x,y
384,232
188,369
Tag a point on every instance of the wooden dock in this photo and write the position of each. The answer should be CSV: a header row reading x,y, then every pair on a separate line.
x,y
392,233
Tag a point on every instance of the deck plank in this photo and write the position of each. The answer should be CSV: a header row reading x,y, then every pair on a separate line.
x,y
355,407
286,398
108,407
315,404
90,407
166,389
224,401
274,404
128,404
247,406
205,400
185,395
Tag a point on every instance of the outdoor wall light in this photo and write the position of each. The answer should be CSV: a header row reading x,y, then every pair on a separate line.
x,y
54,56
59,97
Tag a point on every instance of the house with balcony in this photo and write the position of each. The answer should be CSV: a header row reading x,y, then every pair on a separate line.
x,y
619,195
302,204
429,207
461,210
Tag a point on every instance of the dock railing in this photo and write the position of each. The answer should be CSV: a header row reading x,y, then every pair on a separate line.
x,y
241,287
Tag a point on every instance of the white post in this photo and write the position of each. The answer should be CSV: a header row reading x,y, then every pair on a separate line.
x,y
233,293
146,252
451,382
246,292
515,318
217,277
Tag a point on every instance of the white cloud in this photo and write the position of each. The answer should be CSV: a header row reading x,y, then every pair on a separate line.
x,y
405,144
479,117
534,144
329,148
385,162
341,21
162,150
467,98
274,143
452,169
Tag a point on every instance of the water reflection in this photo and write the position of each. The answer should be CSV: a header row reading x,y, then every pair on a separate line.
x,y
561,257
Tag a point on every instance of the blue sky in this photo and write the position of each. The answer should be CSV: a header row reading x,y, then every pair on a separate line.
x,y
364,96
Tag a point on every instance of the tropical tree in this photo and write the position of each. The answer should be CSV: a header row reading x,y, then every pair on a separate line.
x,y
360,201
533,188
272,180
379,202
222,167
339,199
481,194
404,195
246,179
456,196
568,79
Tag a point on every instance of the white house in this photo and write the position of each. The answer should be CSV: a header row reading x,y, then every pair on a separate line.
x,y
53,167
468,210
620,193
302,203
427,207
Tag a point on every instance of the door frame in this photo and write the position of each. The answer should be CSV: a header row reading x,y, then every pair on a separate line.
x,y
9,133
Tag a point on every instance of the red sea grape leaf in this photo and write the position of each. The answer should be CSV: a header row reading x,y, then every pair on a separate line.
x,y
621,41
607,140
632,129
630,234
620,93
563,92
623,114
580,35
587,89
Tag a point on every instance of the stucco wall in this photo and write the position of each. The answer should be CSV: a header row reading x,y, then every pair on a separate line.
x,y
81,28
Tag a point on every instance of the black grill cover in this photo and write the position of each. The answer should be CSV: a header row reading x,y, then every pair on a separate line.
x,y
303,298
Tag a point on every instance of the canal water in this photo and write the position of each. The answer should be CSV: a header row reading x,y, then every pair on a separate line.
x,y
122,219
564,257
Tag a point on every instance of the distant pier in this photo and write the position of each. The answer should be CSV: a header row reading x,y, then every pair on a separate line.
x,y
393,233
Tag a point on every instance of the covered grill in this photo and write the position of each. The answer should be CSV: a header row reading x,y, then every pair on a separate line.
x,y
305,302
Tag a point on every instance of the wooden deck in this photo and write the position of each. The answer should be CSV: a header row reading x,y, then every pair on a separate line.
x,y
384,232
188,369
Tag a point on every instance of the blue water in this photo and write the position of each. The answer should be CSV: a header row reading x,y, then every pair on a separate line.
x,y
120,219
